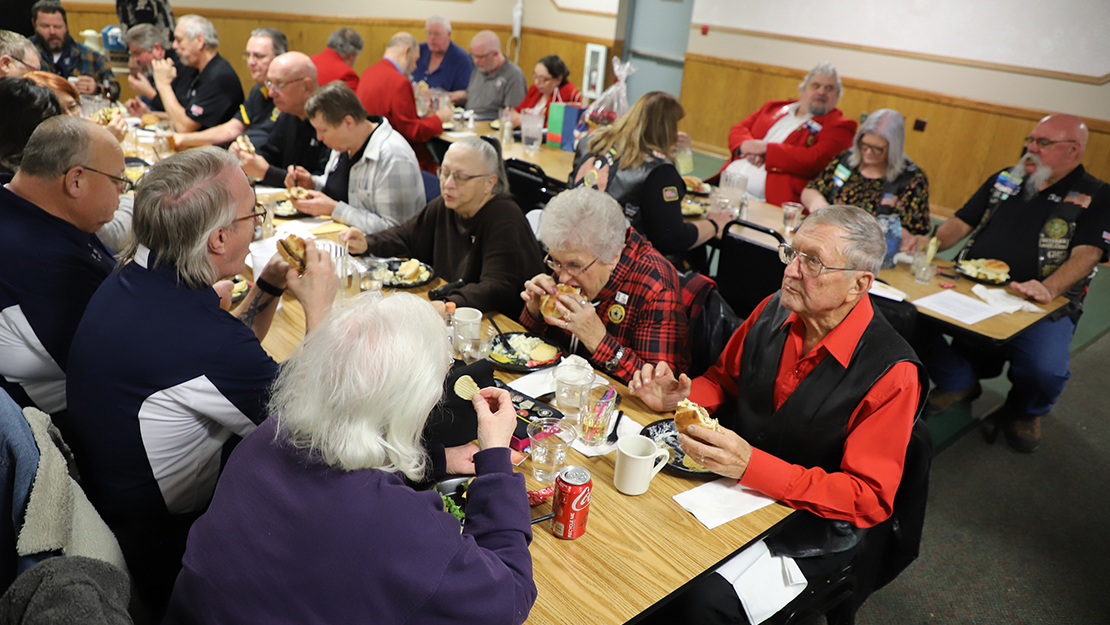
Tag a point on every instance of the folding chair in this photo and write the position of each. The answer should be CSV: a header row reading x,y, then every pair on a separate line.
x,y
530,186
747,264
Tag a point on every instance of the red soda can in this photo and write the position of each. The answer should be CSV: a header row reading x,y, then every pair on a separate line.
x,y
572,502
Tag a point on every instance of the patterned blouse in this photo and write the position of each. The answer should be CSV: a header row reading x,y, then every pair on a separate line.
x,y
848,187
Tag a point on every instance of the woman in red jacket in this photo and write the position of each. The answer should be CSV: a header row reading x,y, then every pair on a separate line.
x,y
549,84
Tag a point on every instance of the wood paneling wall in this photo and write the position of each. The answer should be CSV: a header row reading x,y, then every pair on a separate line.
x,y
964,141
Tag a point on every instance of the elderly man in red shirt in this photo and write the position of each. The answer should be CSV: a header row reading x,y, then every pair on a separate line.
x,y
816,396
786,143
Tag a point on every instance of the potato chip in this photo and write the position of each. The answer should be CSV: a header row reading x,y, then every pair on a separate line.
x,y
466,387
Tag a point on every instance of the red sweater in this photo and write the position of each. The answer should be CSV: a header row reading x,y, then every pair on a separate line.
x,y
862,492
567,93
387,92
804,154
329,68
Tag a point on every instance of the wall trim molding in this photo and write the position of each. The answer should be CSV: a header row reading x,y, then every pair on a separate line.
x,y
1096,125
921,56
582,11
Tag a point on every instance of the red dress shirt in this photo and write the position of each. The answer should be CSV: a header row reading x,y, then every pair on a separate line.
x,y
798,159
385,91
862,492
567,93
330,67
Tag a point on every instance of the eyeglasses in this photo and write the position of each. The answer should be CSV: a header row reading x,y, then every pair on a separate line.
x,y
867,147
574,269
278,86
810,265
256,215
1043,142
27,65
125,185
460,179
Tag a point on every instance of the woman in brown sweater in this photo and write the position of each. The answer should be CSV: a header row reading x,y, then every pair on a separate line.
x,y
474,231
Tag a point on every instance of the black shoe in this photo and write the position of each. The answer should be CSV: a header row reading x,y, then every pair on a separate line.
x,y
1024,435
939,402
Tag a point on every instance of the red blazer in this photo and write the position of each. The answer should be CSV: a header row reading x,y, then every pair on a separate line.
x,y
804,154
568,93
385,91
329,68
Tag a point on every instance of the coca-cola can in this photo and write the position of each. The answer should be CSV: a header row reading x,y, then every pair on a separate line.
x,y
572,502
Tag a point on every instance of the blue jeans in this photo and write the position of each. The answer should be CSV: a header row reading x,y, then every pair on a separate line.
x,y
1038,359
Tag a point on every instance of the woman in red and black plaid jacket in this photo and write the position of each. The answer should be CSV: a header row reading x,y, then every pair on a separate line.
x,y
630,309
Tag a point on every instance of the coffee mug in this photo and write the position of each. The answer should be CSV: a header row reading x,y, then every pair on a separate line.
x,y
638,460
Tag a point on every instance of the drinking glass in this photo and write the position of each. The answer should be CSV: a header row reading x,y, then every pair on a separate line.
x,y
549,439
474,345
791,219
572,382
921,268
531,129
506,128
594,414
684,155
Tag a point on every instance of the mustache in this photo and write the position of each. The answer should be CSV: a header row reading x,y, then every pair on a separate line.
x,y
1034,180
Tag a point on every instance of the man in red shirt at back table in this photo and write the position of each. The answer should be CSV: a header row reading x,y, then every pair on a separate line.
x,y
385,90
337,60
786,143
816,396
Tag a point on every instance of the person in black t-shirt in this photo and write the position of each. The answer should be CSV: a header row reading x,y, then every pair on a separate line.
x,y
291,80
145,43
1048,219
214,94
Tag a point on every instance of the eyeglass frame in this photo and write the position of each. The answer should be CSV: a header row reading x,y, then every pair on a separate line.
x,y
783,247
867,147
127,183
274,87
460,179
559,267
28,65
256,215
1043,142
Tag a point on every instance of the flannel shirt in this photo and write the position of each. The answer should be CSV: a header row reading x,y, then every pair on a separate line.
x,y
77,59
385,187
650,323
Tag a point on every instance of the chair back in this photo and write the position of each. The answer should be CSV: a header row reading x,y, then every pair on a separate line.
x,y
747,270
711,321
431,185
530,186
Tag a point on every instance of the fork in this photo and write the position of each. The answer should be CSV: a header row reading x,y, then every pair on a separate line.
x,y
612,438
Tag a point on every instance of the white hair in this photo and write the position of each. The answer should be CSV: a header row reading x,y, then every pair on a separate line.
x,y
360,387
890,125
488,152
864,243
193,25
438,19
584,219
823,69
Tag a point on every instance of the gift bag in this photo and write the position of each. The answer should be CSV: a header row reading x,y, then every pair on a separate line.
x,y
613,101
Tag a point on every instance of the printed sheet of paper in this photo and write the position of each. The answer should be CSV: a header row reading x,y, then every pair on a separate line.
x,y
958,306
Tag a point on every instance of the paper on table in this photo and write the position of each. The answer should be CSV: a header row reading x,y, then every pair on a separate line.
x,y
721,501
957,306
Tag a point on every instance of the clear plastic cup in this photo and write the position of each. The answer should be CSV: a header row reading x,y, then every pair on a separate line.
x,y
550,440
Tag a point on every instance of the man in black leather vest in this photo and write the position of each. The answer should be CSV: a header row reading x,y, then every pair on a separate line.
x,y
816,397
1049,220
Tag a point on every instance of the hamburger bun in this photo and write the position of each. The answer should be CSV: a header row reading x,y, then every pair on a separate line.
x,y
292,249
986,269
547,302
245,145
149,119
297,193
409,270
688,413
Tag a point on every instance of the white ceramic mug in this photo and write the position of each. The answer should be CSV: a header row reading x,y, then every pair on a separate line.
x,y
638,460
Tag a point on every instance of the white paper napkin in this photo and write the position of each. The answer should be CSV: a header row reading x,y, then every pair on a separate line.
x,y
1003,300
627,427
721,501
765,583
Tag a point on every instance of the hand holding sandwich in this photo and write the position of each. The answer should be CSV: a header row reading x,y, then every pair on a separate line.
x,y
564,306
313,283
720,451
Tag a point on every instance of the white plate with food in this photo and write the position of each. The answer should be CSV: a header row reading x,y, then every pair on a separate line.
x,y
694,208
525,353
989,271
697,186
285,208
405,273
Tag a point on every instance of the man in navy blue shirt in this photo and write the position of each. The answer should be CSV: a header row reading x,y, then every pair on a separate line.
x,y
442,63
51,262
162,377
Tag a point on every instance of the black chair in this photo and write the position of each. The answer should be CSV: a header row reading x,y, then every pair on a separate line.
x,y
530,186
711,321
747,271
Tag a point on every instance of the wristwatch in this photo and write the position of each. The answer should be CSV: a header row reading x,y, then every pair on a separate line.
x,y
614,362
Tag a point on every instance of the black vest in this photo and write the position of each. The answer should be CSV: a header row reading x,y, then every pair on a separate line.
x,y
810,428
605,174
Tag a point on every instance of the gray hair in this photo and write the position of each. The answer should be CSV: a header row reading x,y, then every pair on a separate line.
x,y
823,69
177,206
488,151
193,25
146,36
438,19
15,45
345,41
584,219
401,39
278,42
865,245
58,145
890,125
367,411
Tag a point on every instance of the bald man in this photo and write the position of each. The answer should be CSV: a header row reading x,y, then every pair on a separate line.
x,y
291,79
496,82
1048,219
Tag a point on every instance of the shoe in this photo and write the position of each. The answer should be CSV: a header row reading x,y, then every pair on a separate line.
x,y
939,402
1024,435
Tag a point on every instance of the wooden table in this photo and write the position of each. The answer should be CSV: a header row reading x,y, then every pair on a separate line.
x,y
636,550
555,163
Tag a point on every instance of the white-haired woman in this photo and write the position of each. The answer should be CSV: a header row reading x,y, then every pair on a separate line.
x,y
630,308
312,520
876,175
474,231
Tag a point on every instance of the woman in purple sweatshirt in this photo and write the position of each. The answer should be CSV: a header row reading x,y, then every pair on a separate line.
x,y
312,521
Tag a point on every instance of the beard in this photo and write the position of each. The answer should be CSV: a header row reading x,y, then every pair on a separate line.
x,y
55,45
818,108
1034,180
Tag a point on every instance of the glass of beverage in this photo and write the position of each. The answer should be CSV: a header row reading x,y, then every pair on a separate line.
x,y
506,127
550,439
791,219
594,414
921,268
572,383
684,155
531,129
474,342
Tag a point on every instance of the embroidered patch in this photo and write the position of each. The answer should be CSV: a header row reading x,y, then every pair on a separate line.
x,y
196,109
1079,199
274,114
594,174
1056,228
616,313
810,140
670,194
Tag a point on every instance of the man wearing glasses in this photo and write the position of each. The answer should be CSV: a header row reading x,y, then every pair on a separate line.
x,y
496,82
17,54
1050,221
816,396
67,188
215,93
291,80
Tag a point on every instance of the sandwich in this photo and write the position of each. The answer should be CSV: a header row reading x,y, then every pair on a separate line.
x,y
149,119
986,269
292,249
688,413
547,302
297,193
409,270
245,145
